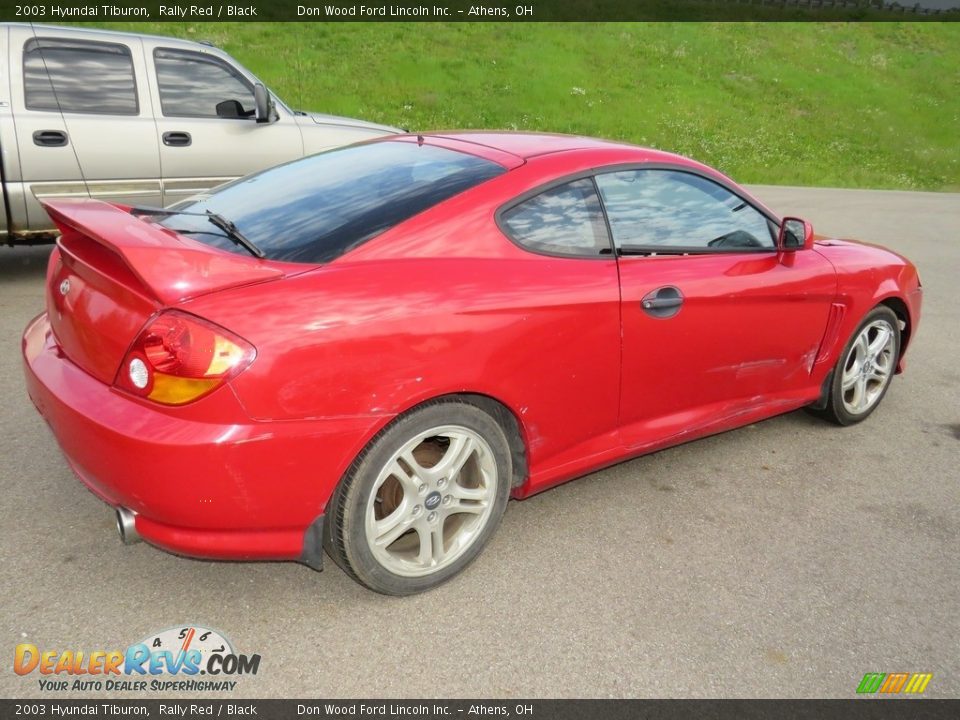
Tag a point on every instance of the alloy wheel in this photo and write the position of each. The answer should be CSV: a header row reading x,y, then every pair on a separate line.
x,y
868,367
431,501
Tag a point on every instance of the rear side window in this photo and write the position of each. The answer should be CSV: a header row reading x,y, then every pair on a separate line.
x,y
564,220
79,76
192,85
316,209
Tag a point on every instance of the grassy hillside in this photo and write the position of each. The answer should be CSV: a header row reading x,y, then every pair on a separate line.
x,y
834,104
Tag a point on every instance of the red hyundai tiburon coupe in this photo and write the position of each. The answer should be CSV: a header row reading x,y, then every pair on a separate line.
x,y
370,350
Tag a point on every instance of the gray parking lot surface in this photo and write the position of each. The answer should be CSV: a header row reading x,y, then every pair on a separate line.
x,y
784,559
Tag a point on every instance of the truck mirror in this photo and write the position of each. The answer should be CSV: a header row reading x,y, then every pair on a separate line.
x,y
264,106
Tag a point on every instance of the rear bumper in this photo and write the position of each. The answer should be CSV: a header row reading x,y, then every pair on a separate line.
x,y
233,488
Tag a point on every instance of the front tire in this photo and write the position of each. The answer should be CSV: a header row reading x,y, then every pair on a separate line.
x,y
419,504
865,369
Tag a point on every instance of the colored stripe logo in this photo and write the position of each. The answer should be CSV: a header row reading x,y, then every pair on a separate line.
x,y
893,683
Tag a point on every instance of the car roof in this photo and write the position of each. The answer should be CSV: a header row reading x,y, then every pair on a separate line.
x,y
527,145
513,148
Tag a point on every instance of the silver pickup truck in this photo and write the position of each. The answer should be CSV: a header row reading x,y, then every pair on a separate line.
x,y
136,119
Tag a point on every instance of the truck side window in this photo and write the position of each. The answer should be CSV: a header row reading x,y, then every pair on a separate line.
x,y
79,76
194,85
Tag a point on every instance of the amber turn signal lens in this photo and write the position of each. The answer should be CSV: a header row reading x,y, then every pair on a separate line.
x,y
178,358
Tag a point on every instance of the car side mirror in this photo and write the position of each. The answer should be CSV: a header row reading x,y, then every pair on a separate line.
x,y
795,234
230,109
264,105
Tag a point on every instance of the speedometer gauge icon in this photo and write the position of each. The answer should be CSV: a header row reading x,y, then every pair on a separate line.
x,y
180,640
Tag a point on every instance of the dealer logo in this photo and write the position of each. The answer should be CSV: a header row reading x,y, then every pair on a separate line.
x,y
170,660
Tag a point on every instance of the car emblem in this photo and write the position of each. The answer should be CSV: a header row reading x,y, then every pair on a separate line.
x,y
433,499
65,287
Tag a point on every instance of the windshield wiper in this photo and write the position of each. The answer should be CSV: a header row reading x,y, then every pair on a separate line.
x,y
234,234
228,228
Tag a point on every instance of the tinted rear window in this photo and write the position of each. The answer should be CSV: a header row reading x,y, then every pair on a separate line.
x,y
315,209
79,76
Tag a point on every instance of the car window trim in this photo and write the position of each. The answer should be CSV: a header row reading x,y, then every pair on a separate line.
x,y
127,51
636,250
677,250
205,57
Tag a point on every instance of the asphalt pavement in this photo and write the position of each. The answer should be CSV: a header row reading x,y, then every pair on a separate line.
x,y
784,559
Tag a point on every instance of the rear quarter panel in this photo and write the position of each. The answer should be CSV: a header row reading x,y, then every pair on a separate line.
x,y
334,344
441,304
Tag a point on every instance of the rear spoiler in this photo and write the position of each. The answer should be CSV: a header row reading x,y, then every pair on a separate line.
x,y
170,267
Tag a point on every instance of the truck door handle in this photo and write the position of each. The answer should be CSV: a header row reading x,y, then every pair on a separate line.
x,y
663,302
177,139
50,138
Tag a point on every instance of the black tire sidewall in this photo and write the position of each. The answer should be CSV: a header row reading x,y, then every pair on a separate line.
x,y
837,409
349,519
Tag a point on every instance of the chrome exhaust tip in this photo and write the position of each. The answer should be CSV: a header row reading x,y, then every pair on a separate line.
x,y
127,526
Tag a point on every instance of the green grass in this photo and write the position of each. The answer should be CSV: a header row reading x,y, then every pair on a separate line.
x,y
831,104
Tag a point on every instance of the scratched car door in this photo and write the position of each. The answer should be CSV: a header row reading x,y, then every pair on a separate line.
x,y
715,321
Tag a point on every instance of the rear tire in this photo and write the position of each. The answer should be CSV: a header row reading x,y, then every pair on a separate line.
x,y
866,367
422,500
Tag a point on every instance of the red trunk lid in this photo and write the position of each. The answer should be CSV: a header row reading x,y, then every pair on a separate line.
x,y
114,270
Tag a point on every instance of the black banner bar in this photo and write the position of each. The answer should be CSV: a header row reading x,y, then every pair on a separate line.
x,y
100,11
854,709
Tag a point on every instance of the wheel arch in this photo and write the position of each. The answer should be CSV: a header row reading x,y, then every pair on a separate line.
x,y
500,411
900,309
504,415
512,427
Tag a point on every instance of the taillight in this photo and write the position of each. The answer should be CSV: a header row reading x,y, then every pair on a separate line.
x,y
178,358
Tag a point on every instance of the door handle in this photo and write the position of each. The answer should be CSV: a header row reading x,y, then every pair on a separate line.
x,y
664,302
50,138
658,303
177,139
